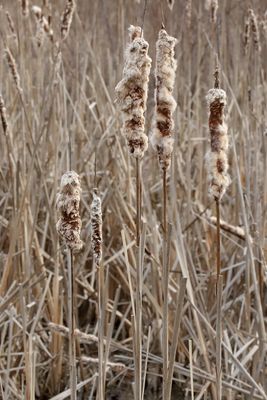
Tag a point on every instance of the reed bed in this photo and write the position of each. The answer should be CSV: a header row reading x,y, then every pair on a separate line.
x,y
112,338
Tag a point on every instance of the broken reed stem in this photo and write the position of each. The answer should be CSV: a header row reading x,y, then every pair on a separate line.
x,y
71,308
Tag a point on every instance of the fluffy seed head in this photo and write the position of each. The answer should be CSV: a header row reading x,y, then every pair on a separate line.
x,y
217,158
68,202
96,221
163,124
132,92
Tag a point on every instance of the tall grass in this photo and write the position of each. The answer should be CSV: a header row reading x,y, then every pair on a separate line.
x,y
57,109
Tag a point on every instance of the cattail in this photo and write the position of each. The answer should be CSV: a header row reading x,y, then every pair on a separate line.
x,y
132,92
254,29
66,18
163,124
217,161
13,68
96,221
25,7
43,26
68,201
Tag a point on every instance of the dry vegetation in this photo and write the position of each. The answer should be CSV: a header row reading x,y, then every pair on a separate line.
x,y
60,66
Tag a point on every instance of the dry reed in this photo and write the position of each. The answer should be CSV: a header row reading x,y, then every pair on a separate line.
x,y
66,18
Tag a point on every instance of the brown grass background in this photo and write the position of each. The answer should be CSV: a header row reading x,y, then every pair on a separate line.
x,y
75,103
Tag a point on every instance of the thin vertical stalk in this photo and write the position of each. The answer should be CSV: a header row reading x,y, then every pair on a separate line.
x,y
101,305
165,328
164,198
219,286
218,240
165,337
72,347
138,200
219,337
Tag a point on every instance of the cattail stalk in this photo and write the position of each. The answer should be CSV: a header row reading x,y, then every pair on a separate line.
x,y
218,183
66,18
162,141
69,229
132,93
96,222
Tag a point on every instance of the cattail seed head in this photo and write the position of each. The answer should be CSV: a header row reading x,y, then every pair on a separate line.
x,y
13,68
68,202
96,221
217,159
132,92
66,18
163,124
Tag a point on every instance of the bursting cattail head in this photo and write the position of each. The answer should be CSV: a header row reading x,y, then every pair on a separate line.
x,y
217,159
66,18
13,68
96,221
163,124
68,202
132,92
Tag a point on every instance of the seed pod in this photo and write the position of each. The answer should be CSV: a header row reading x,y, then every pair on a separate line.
x,y
68,201
163,124
132,92
217,160
96,221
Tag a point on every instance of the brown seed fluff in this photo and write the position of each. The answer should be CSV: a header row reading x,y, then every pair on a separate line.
x,y
68,202
132,92
163,124
217,160
96,221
